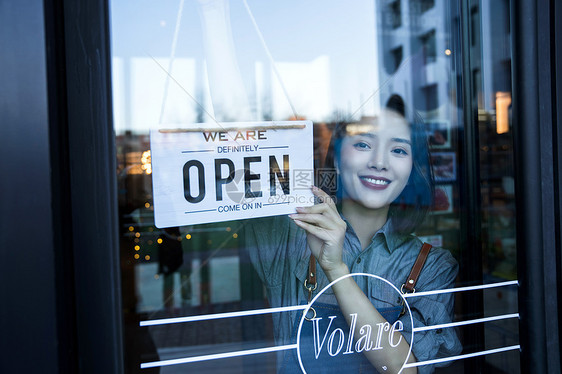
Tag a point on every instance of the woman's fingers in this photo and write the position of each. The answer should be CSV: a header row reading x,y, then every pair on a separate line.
x,y
316,219
321,226
317,231
315,209
325,211
324,214
322,196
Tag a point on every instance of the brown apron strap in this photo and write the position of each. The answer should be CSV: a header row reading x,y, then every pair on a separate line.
x,y
310,281
412,279
311,278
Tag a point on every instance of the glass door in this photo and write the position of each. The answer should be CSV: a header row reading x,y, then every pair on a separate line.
x,y
226,293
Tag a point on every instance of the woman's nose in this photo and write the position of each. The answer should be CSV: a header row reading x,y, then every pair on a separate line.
x,y
378,161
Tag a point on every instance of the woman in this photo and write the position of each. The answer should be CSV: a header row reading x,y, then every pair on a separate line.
x,y
384,192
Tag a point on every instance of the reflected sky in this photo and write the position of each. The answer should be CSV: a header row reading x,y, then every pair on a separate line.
x,y
338,35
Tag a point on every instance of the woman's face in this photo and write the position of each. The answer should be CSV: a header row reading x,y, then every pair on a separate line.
x,y
376,161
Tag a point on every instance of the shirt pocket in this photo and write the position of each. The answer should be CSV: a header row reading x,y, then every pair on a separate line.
x,y
382,294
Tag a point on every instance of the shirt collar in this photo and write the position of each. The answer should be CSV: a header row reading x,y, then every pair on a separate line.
x,y
386,233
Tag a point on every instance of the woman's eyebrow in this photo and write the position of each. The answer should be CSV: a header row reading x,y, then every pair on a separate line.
x,y
402,140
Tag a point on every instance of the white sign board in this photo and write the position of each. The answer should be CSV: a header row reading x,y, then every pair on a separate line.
x,y
214,172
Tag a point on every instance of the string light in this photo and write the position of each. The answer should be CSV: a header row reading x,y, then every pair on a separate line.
x,y
145,162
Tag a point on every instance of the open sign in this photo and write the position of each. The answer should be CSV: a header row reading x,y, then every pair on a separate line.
x,y
212,173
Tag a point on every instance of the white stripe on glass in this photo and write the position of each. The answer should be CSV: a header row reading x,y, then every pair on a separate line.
x,y
468,322
216,356
461,357
206,317
462,289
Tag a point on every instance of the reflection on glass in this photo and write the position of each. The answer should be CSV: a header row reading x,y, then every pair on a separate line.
x,y
493,85
203,61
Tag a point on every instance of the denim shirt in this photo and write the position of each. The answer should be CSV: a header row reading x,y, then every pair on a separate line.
x,y
279,253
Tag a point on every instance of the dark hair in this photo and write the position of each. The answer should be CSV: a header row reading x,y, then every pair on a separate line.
x,y
414,202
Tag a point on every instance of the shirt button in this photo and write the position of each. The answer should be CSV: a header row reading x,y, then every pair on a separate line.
x,y
359,260
438,331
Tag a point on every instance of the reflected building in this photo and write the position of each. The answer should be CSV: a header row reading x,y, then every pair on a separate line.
x,y
414,42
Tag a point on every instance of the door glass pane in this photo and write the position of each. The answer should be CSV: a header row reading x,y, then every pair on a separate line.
x,y
408,104
492,77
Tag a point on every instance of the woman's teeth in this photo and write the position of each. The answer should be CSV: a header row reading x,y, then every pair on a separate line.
x,y
375,181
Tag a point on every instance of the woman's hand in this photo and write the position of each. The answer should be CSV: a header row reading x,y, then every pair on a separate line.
x,y
325,233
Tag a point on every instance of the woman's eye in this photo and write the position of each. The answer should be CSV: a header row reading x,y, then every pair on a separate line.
x,y
400,151
362,146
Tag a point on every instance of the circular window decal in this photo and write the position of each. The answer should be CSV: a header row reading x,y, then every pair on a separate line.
x,y
329,340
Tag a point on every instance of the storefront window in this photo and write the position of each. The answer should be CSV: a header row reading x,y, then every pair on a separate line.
x,y
373,99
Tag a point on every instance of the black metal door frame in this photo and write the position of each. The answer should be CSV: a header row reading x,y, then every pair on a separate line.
x,y
61,298
80,83
537,155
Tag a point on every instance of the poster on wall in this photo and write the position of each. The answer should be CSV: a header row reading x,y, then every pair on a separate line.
x,y
443,199
444,166
215,172
439,134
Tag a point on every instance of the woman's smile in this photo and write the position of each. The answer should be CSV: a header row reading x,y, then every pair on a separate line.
x,y
375,183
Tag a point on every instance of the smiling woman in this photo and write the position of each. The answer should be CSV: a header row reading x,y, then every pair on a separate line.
x,y
384,188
